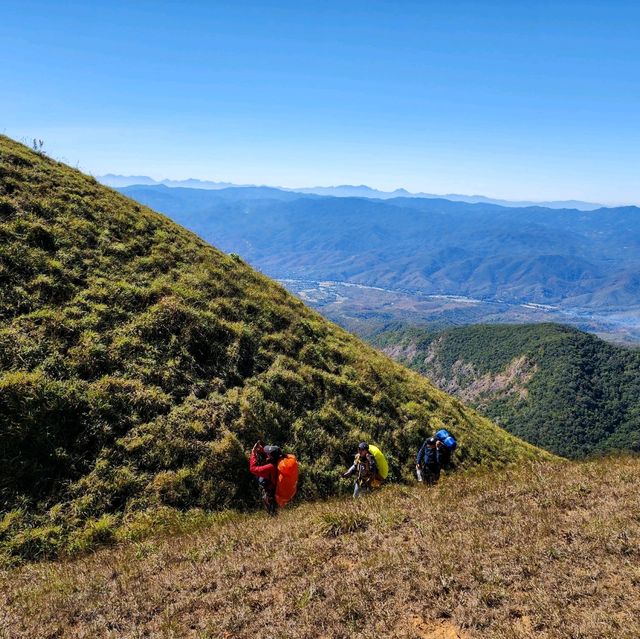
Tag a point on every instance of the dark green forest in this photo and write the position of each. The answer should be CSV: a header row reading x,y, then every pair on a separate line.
x,y
569,392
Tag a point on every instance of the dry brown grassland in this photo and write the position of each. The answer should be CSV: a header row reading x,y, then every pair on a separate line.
x,y
545,550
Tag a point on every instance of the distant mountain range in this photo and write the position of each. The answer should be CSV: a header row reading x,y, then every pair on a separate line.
x,y
534,255
117,181
345,190
368,192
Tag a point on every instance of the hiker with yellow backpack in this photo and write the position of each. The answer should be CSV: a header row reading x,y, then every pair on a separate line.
x,y
370,467
277,475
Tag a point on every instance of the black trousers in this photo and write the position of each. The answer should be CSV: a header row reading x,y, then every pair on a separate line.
x,y
268,496
445,457
431,474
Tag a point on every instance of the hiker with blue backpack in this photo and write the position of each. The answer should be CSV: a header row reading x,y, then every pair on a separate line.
x,y
434,455
428,462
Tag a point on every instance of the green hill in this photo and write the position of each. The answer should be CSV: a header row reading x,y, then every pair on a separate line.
x,y
138,364
556,387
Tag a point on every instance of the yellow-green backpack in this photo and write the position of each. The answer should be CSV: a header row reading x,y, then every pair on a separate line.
x,y
381,462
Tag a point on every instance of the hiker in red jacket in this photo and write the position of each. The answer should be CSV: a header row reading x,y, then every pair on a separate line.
x,y
263,463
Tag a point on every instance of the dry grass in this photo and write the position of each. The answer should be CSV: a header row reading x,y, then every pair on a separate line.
x,y
545,550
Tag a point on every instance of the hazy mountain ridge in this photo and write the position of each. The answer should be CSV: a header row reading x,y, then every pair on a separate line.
x,y
368,192
119,181
347,190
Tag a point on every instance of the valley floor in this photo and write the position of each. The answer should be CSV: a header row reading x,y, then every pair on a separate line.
x,y
363,309
544,550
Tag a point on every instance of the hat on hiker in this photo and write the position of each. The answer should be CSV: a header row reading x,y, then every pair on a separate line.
x,y
273,451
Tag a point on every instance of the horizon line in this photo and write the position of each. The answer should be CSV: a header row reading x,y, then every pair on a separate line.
x,y
230,184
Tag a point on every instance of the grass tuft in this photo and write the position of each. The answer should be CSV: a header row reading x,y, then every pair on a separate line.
x,y
342,522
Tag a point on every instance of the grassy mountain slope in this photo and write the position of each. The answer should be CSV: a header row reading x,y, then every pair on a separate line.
x,y
138,364
550,551
567,391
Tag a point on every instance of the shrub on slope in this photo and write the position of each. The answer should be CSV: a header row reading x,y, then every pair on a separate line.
x,y
138,364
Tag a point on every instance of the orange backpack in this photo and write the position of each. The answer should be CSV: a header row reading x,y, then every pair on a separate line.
x,y
287,480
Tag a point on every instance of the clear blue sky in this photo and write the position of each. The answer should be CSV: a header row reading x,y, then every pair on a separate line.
x,y
510,99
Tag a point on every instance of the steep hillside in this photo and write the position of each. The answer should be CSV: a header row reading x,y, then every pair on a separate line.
x,y
138,365
554,386
550,551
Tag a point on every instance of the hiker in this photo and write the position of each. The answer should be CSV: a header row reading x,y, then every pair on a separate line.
x,y
263,463
370,468
277,475
446,444
428,462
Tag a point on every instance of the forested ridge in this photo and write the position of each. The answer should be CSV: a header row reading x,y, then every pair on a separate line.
x,y
557,387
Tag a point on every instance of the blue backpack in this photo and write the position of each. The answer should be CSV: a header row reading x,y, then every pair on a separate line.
x,y
447,439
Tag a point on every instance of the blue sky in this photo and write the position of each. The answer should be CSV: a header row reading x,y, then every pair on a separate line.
x,y
532,100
